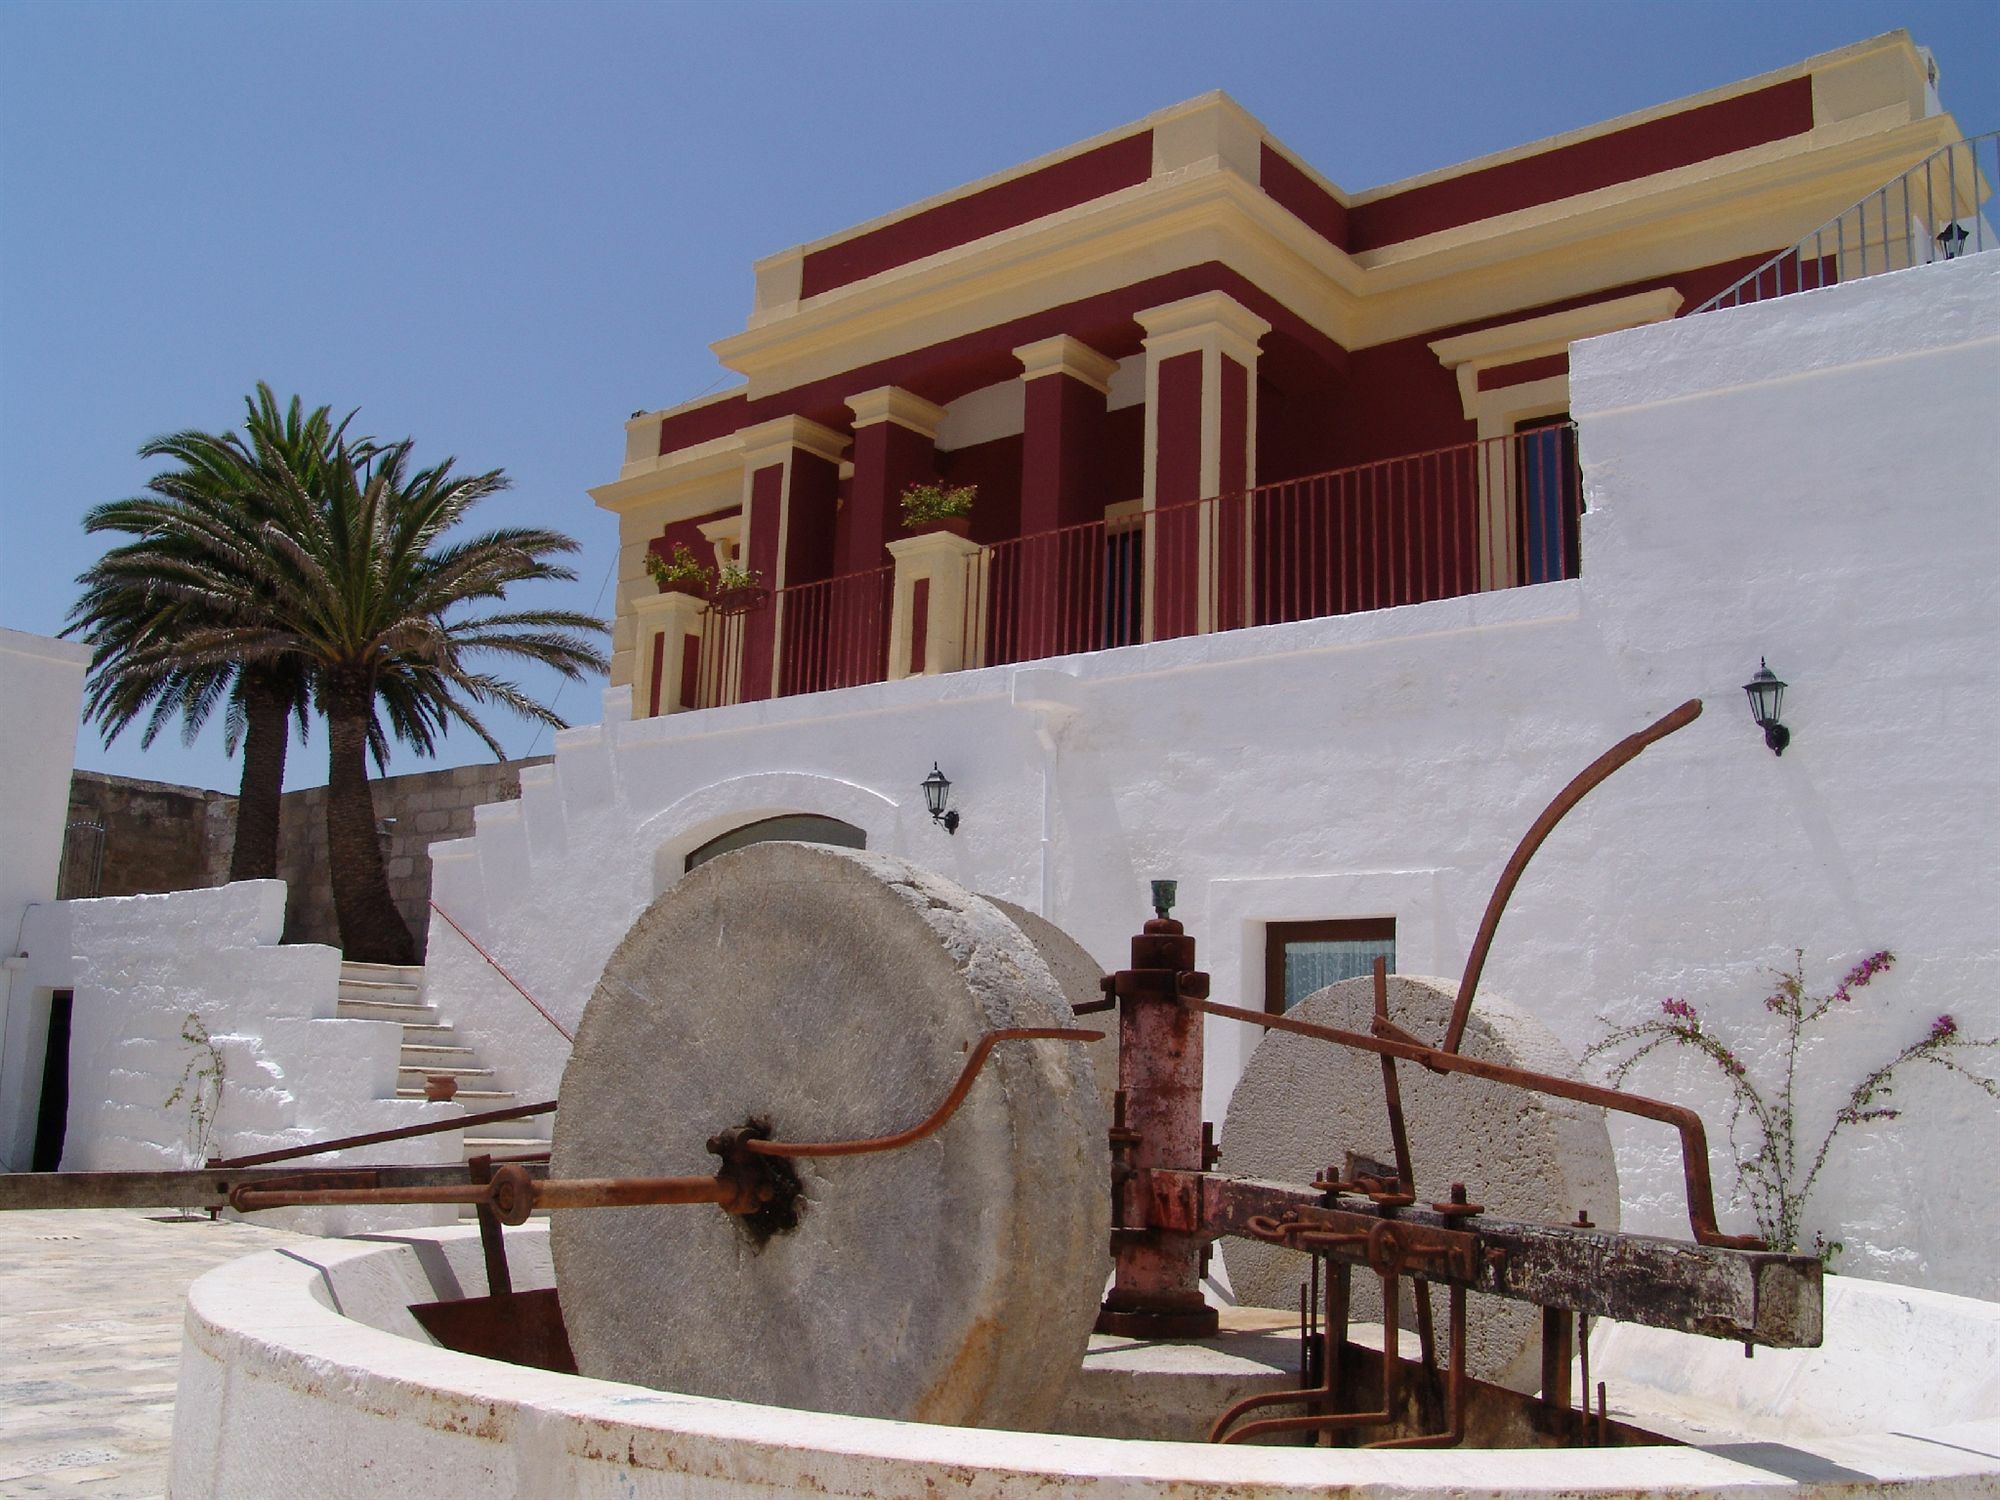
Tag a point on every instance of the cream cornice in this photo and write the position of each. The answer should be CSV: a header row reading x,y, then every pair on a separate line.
x,y
1531,338
697,474
1750,200
1064,355
1207,320
767,442
891,403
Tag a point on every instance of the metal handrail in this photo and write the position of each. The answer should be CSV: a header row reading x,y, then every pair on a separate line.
x,y
1942,193
500,969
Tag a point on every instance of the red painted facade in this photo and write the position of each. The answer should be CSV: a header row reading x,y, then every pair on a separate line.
x,y
1359,480
1660,145
1007,205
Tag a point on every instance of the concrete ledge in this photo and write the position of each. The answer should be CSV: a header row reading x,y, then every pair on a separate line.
x,y
282,1395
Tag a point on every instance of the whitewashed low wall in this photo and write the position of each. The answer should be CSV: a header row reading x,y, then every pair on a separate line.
x,y
140,966
282,1395
1809,480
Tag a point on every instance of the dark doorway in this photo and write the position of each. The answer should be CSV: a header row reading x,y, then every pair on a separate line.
x,y
52,1119
1549,491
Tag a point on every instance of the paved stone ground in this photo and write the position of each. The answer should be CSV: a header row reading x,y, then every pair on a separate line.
x,y
90,1344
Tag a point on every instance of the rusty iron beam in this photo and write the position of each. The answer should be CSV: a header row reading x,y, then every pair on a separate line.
x,y
1752,1296
1694,1135
1580,786
207,1187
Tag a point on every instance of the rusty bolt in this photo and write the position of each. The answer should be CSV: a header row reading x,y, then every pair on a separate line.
x,y
1458,1207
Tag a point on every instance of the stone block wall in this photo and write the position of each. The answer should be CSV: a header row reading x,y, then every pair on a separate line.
x,y
418,811
128,837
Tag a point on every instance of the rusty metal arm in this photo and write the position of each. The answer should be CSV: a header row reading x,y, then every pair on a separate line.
x,y
378,1137
1694,1138
1580,786
209,1188
932,1122
514,1192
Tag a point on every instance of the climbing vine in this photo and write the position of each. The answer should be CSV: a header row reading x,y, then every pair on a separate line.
x,y
1773,1173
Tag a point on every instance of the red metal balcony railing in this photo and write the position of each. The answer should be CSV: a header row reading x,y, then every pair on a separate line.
x,y
1492,514
832,633
1459,520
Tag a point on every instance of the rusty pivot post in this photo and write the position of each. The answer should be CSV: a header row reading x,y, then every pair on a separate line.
x,y
1157,1289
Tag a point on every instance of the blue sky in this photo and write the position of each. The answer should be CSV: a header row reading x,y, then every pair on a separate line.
x,y
499,228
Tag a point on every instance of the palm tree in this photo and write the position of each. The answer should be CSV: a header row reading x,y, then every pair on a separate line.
x,y
362,582
143,602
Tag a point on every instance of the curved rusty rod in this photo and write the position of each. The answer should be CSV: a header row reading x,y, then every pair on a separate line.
x,y
1619,754
1694,1139
938,1116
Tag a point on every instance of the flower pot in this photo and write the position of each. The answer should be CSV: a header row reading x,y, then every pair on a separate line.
x,y
440,1087
739,600
694,588
956,525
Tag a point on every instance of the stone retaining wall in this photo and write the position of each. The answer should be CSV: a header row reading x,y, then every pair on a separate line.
x,y
129,837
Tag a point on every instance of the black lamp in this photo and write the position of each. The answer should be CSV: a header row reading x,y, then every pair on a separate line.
x,y
1951,239
1163,897
937,797
1767,700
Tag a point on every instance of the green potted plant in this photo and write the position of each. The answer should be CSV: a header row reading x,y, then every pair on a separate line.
x,y
682,573
935,506
738,589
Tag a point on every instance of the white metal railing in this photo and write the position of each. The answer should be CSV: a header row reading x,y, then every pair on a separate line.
x,y
1932,212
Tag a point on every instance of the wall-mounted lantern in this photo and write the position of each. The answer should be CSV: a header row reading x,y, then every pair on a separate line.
x,y
1767,701
1951,239
937,797
1163,897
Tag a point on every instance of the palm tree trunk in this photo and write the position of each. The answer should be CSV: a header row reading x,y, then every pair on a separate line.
x,y
372,930
266,733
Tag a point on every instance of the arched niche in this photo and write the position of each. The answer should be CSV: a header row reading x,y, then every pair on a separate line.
x,y
809,828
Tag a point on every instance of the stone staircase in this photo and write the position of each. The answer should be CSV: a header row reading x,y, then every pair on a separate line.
x,y
384,992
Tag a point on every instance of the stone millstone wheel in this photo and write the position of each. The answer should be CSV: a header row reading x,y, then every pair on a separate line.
x,y
1303,1104
835,994
1078,974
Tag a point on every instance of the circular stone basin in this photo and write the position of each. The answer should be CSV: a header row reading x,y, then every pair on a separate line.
x,y
303,1375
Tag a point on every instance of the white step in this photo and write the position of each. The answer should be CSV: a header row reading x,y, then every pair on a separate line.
x,y
385,1010
367,989
418,1072
415,1053
384,973
504,1145
473,1099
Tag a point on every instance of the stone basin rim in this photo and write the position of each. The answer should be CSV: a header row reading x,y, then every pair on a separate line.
x,y
269,1319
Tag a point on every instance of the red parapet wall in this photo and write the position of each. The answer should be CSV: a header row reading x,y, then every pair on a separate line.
x,y
1676,140
1007,205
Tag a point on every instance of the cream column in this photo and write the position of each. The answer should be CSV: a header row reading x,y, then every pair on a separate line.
x,y
936,617
1201,443
667,669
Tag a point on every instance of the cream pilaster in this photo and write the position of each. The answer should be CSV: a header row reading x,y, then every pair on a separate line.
x,y
937,611
1201,443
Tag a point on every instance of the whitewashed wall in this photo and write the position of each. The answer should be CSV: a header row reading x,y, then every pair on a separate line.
x,y
41,684
139,966
1811,480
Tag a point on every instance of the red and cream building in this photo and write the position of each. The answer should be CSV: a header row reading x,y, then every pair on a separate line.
x,y
1198,385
